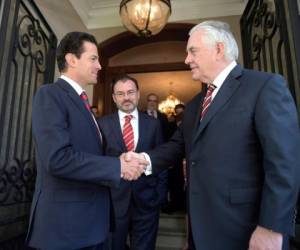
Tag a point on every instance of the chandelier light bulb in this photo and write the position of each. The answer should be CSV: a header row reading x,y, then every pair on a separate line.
x,y
145,17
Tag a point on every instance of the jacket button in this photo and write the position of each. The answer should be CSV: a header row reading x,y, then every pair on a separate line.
x,y
193,163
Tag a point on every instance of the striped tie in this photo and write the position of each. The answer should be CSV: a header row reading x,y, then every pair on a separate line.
x,y
207,100
128,136
85,100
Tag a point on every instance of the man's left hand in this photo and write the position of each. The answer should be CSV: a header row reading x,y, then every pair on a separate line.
x,y
265,239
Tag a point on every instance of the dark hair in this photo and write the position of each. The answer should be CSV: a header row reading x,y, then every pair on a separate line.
x,y
123,78
152,94
180,105
72,43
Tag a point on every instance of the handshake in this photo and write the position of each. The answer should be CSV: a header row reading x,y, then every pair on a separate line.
x,y
132,165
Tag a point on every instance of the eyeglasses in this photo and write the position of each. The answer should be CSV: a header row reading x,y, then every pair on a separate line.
x,y
129,93
152,100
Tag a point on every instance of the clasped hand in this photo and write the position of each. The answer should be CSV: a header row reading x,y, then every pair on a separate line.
x,y
133,165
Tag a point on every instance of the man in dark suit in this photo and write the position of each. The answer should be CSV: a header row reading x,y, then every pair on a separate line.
x,y
137,203
71,204
168,129
152,110
241,140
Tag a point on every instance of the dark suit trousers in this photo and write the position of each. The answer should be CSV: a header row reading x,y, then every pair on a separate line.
x,y
96,247
142,223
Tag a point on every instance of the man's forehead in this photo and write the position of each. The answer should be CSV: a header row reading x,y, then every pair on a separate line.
x,y
195,41
152,97
126,82
191,47
192,42
89,46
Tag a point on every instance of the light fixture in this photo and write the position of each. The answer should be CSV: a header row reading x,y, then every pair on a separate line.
x,y
167,106
145,17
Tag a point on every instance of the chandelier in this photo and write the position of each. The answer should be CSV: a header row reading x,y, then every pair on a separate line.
x,y
145,17
167,106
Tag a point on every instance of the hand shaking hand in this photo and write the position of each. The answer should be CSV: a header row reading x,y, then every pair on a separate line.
x,y
132,165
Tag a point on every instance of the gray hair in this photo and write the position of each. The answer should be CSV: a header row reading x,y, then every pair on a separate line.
x,y
217,31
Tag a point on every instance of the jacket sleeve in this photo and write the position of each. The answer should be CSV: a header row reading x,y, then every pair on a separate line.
x,y
168,153
276,124
59,151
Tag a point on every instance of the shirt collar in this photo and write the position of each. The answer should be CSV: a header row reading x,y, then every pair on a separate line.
x,y
134,113
74,84
224,73
149,111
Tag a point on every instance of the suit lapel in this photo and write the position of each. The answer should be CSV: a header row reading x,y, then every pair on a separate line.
x,y
225,93
78,103
197,109
117,130
142,127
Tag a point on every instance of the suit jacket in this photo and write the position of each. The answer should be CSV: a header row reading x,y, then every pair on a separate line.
x,y
147,191
71,205
243,160
164,125
167,128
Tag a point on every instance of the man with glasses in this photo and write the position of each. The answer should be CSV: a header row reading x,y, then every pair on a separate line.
x,y
137,203
152,110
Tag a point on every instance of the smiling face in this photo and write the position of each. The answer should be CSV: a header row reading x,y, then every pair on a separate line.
x,y
126,95
204,59
85,68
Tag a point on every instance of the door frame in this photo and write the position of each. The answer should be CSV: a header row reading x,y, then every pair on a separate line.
x,y
124,41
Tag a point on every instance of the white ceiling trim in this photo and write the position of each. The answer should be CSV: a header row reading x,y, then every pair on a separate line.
x,y
97,14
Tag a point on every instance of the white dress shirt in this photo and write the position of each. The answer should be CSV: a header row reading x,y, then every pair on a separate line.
x,y
134,123
152,113
218,82
76,86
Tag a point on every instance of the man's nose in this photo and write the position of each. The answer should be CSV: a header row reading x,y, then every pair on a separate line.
x,y
187,59
99,66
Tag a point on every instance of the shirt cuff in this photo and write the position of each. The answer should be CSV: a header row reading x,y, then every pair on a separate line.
x,y
148,169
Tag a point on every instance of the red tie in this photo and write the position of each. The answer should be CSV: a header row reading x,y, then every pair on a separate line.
x,y
207,100
128,136
85,100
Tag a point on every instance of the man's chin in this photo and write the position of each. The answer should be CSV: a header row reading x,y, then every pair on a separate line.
x,y
93,82
194,74
195,77
127,109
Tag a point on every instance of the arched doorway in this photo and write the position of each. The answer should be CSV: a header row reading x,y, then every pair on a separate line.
x,y
124,41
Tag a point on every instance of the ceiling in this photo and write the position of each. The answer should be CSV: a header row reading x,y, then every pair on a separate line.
x,y
97,14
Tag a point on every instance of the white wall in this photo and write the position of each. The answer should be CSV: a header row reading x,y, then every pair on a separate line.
x,y
62,18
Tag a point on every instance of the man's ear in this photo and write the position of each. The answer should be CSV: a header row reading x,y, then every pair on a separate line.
x,y
220,50
71,60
